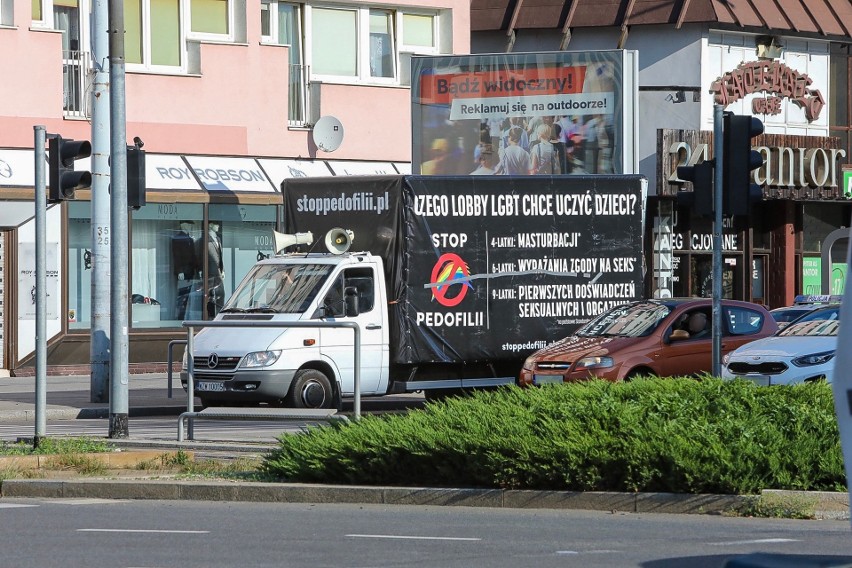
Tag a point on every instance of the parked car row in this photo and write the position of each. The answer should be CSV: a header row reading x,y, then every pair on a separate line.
x,y
673,337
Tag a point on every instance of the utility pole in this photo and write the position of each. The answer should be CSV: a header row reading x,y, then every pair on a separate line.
x,y
119,378
717,240
101,233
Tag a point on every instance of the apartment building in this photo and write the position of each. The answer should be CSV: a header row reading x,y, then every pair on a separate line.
x,y
224,95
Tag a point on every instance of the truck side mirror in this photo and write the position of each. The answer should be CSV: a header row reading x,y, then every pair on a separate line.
x,y
351,301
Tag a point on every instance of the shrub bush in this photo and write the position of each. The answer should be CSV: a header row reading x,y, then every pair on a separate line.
x,y
668,435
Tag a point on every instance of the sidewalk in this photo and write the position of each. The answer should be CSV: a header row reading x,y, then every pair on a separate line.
x,y
69,397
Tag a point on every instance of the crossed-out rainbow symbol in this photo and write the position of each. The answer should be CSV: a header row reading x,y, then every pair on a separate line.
x,y
449,267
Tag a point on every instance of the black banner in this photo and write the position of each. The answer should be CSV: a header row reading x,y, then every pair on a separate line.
x,y
487,268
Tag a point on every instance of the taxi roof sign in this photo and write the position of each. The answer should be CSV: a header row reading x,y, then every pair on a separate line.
x,y
818,299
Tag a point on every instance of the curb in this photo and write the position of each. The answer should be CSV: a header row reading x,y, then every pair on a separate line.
x,y
308,493
69,413
827,506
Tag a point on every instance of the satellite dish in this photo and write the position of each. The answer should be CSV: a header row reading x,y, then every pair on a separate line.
x,y
328,133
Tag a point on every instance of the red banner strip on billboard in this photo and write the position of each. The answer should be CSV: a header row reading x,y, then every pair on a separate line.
x,y
441,89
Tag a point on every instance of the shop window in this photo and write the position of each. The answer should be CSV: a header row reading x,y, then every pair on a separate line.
x,y
79,265
237,237
820,219
165,270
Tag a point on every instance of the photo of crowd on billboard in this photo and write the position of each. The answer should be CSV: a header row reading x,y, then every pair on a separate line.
x,y
550,127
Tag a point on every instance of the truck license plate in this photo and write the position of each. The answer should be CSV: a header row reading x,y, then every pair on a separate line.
x,y
210,387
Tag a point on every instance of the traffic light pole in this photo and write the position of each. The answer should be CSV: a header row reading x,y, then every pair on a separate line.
x,y
41,288
717,241
119,377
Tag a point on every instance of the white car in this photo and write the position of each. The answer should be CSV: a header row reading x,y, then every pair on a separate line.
x,y
801,352
802,305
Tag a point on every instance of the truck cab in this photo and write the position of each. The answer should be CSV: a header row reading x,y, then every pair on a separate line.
x,y
297,366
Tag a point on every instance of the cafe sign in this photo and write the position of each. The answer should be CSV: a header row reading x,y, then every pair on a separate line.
x,y
775,79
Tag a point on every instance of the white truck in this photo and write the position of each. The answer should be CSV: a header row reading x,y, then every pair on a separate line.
x,y
457,281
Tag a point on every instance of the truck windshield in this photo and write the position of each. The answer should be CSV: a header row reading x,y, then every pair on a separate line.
x,y
631,320
278,288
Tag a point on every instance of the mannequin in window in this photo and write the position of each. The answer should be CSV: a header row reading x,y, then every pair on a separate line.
x,y
215,270
185,265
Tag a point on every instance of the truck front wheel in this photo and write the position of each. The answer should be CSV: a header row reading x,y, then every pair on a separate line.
x,y
310,389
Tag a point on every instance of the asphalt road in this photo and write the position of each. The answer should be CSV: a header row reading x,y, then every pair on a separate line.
x,y
189,534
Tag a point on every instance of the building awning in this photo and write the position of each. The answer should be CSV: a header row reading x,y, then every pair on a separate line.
x,y
831,18
210,174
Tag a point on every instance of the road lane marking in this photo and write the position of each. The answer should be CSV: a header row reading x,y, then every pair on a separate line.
x,y
398,536
77,501
15,505
158,531
754,541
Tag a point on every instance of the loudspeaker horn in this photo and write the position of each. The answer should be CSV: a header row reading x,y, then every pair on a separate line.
x,y
282,240
338,240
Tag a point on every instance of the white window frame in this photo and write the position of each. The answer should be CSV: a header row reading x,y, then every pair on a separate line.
x,y
272,38
146,66
418,49
46,21
203,36
362,23
405,52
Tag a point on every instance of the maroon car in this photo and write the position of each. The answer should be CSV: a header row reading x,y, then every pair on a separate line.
x,y
666,337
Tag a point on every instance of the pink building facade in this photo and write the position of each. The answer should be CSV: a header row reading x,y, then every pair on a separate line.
x,y
224,94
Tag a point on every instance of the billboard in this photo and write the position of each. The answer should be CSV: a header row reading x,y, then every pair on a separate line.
x,y
548,113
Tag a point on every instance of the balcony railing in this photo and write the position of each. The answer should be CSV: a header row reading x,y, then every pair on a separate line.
x,y
297,108
75,84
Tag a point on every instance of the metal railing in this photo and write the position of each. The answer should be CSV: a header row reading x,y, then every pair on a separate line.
x,y
297,108
190,347
75,83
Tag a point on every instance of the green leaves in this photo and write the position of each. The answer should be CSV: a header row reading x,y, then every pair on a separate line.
x,y
672,435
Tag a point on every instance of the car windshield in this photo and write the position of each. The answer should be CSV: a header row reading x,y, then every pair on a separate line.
x,y
278,288
786,315
631,320
823,322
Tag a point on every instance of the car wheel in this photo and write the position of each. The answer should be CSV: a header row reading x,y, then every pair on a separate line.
x,y
310,389
635,374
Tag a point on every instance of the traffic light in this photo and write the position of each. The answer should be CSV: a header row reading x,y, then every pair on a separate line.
x,y
700,199
64,180
738,161
135,177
